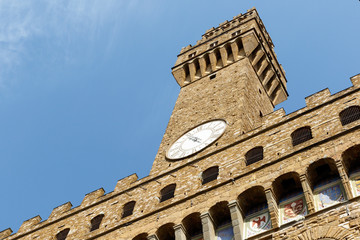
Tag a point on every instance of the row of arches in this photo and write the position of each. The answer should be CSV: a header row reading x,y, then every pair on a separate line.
x,y
210,62
292,196
256,154
309,189
218,57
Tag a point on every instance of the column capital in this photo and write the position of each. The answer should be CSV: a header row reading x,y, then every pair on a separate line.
x,y
233,203
180,232
206,215
303,177
181,227
237,220
339,163
272,206
208,227
152,237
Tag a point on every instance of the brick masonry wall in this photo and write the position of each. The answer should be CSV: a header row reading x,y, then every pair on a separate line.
x,y
330,140
234,96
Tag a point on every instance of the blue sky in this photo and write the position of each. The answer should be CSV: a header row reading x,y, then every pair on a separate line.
x,y
86,89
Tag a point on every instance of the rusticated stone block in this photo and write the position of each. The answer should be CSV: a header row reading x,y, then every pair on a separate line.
x,y
5,233
29,224
92,197
58,211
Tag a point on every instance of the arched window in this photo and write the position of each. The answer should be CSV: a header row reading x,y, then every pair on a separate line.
x,y
63,234
141,236
254,155
167,192
193,226
220,213
96,221
301,135
349,115
210,174
166,232
325,181
128,209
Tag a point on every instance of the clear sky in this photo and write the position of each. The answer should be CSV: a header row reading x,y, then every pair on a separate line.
x,y
86,89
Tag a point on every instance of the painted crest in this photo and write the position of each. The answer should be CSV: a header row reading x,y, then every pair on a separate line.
x,y
293,210
258,223
330,196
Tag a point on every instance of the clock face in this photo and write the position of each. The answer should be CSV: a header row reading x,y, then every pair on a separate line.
x,y
196,139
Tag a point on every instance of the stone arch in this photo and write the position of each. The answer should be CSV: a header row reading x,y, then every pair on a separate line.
x,y
141,236
325,232
192,224
286,185
252,198
220,213
351,159
321,170
166,232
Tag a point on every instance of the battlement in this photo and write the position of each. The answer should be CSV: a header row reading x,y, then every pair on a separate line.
x,y
226,26
146,191
244,37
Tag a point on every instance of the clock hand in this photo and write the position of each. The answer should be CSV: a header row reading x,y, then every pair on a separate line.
x,y
195,139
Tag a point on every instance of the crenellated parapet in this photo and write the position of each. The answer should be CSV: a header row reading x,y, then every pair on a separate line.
x,y
59,211
145,192
92,197
263,177
5,233
244,36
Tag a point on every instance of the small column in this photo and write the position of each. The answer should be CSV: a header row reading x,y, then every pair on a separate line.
x,y
212,58
192,71
257,57
235,50
202,64
236,219
309,197
180,232
208,226
268,77
273,207
152,237
224,56
344,179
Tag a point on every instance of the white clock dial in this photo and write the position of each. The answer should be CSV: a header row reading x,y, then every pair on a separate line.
x,y
196,139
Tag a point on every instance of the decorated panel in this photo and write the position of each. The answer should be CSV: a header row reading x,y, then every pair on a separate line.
x,y
355,183
329,194
257,223
293,209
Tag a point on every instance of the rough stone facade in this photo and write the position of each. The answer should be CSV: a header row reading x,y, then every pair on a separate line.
x,y
303,187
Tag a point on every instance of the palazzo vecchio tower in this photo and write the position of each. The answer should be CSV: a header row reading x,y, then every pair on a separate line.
x,y
229,166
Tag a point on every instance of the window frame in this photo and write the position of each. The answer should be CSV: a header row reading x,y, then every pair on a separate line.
x,y
301,135
211,176
167,192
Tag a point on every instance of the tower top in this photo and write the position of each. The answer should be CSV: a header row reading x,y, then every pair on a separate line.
x,y
243,36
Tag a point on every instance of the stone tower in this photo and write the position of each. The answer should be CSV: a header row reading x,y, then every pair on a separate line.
x,y
232,73
229,166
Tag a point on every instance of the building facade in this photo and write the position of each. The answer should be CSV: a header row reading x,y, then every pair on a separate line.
x,y
229,166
